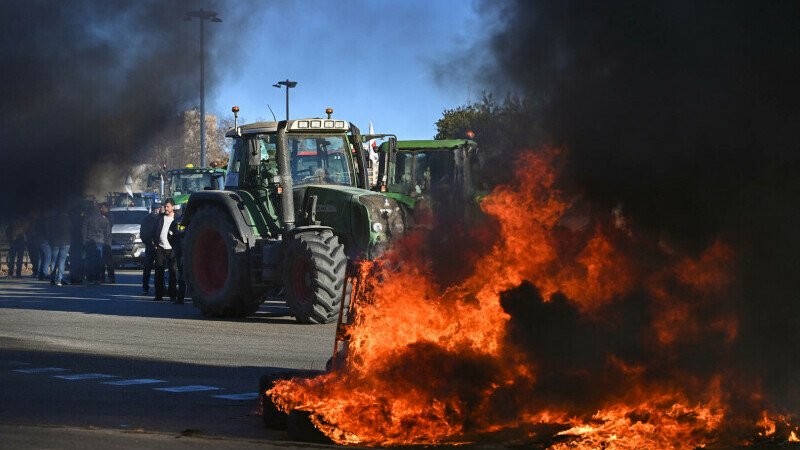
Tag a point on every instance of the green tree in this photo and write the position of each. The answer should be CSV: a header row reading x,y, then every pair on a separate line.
x,y
502,129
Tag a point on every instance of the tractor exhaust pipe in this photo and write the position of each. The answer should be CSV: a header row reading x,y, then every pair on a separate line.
x,y
287,198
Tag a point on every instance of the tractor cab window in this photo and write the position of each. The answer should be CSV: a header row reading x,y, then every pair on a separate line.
x,y
417,172
235,163
188,182
320,160
268,162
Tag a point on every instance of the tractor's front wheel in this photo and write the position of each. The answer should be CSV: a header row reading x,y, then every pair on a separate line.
x,y
216,266
314,267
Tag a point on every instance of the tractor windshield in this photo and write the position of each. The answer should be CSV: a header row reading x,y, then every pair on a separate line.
x,y
317,159
188,182
419,172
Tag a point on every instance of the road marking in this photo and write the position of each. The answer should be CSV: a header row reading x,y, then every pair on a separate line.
x,y
84,376
14,363
248,396
133,382
41,369
192,388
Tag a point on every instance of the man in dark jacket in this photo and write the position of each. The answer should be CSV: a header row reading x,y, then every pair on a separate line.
x,y
163,239
108,257
16,235
60,237
95,228
146,234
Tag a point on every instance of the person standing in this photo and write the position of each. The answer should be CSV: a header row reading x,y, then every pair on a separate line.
x,y
60,237
94,231
77,266
146,234
33,240
42,228
108,257
15,234
164,233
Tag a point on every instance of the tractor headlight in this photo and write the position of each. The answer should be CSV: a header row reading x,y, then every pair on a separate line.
x,y
377,227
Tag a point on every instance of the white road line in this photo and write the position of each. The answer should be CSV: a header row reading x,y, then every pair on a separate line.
x,y
191,388
84,376
41,369
133,382
14,363
248,396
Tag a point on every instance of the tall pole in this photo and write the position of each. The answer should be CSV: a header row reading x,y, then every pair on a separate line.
x,y
202,97
287,101
203,15
289,84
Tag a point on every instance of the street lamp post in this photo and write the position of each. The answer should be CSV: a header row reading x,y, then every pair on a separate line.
x,y
203,16
288,84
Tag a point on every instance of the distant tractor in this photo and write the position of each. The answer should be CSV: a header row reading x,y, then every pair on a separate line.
x,y
181,183
430,176
296,207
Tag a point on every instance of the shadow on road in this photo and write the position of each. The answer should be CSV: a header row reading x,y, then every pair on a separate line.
x,y
46,399
123,298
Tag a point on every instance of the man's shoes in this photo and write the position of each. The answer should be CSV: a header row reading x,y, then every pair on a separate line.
x,y
146,290
60,283
158,299
52,283
112,281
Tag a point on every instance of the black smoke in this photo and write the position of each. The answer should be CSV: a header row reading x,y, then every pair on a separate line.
x,y
89,82
688,115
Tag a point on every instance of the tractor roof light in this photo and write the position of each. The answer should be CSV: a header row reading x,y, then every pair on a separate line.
x,y
189,166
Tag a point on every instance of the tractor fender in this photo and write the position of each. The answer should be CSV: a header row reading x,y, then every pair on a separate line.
x,y
229,201
304,229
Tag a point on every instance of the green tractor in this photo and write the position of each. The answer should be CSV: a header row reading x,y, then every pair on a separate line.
x,y
430,176
296,207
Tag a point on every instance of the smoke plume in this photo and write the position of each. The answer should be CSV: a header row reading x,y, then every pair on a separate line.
x,y
687,115
85,83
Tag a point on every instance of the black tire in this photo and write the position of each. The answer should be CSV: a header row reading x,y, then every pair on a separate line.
x,y
216,266
314,269
300,428
270,414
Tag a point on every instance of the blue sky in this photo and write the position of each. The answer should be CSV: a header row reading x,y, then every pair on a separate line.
x,y
368,60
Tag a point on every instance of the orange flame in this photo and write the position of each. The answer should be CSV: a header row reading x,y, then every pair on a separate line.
x,y
429,364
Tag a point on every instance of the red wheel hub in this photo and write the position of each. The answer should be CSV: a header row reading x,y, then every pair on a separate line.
x,y
301,280
210,261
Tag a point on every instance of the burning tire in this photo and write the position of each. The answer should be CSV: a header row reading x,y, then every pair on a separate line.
x,y
300,428
314,269
216,266
270,414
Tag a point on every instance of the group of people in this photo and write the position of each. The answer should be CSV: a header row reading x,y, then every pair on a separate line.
x,y
84,233
162,239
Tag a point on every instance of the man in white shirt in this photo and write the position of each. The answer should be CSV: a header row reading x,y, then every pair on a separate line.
x,y
163,241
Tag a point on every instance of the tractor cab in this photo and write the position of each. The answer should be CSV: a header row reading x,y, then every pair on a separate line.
x,y
188,180
429,176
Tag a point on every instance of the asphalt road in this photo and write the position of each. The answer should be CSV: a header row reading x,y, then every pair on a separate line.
x,y
104,364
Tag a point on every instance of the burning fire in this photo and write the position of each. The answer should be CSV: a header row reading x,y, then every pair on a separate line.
x,y
567,337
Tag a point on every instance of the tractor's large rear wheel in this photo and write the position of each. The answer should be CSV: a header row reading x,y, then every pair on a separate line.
x,y
216,266
314,268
